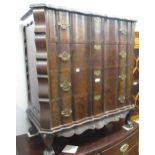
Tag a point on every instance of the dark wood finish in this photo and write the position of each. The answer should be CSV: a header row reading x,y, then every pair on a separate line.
x,y
106,141
79,69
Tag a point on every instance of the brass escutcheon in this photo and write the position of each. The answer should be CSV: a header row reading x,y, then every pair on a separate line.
x,y
122,54
122,76
123,31
65,56
97,46
65,85
97,97
64,26
121,99
97,73
124,148
66,112
97,20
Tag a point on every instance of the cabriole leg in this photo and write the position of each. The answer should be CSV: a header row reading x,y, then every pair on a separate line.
x,y
128,121
48,141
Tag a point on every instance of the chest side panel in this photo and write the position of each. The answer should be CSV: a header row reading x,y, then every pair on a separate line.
x,y
31,70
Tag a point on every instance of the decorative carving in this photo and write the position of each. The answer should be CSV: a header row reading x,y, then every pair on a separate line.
x,y
98,123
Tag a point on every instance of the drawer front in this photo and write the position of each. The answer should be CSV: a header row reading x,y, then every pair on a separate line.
x,y
124,147
90,73
95,80
67,27
63,26
60,77
59,26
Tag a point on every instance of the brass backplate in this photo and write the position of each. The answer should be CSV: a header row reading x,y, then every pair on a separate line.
x,y
97,47
65,56
65,85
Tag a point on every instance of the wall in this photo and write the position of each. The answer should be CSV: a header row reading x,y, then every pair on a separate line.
x,y
121,8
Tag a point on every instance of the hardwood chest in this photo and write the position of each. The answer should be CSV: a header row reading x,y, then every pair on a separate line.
x,y
79,70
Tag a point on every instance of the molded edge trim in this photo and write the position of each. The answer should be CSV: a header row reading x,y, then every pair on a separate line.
x,y
42,5
78,128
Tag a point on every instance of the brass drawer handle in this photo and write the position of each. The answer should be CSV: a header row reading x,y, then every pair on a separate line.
x,y
121,99
65,85
124,148
97,47
65,56
123,31
122,54
63,25
97,97
122,76
97,20
66,112
97,73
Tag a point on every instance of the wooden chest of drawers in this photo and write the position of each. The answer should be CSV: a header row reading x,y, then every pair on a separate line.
x,y
79,70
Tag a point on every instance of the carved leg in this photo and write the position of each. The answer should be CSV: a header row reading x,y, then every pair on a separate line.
x,y
128,121
48,141
32,131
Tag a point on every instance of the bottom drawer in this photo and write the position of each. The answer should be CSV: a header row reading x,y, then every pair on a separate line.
x,y
128,146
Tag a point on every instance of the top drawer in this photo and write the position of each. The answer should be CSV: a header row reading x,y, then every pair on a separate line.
x,y
72,27
68,27
123,147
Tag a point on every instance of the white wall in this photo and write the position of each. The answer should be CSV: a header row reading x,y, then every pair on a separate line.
x,y
121,8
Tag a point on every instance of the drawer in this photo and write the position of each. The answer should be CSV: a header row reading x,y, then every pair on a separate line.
x,y
125,147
